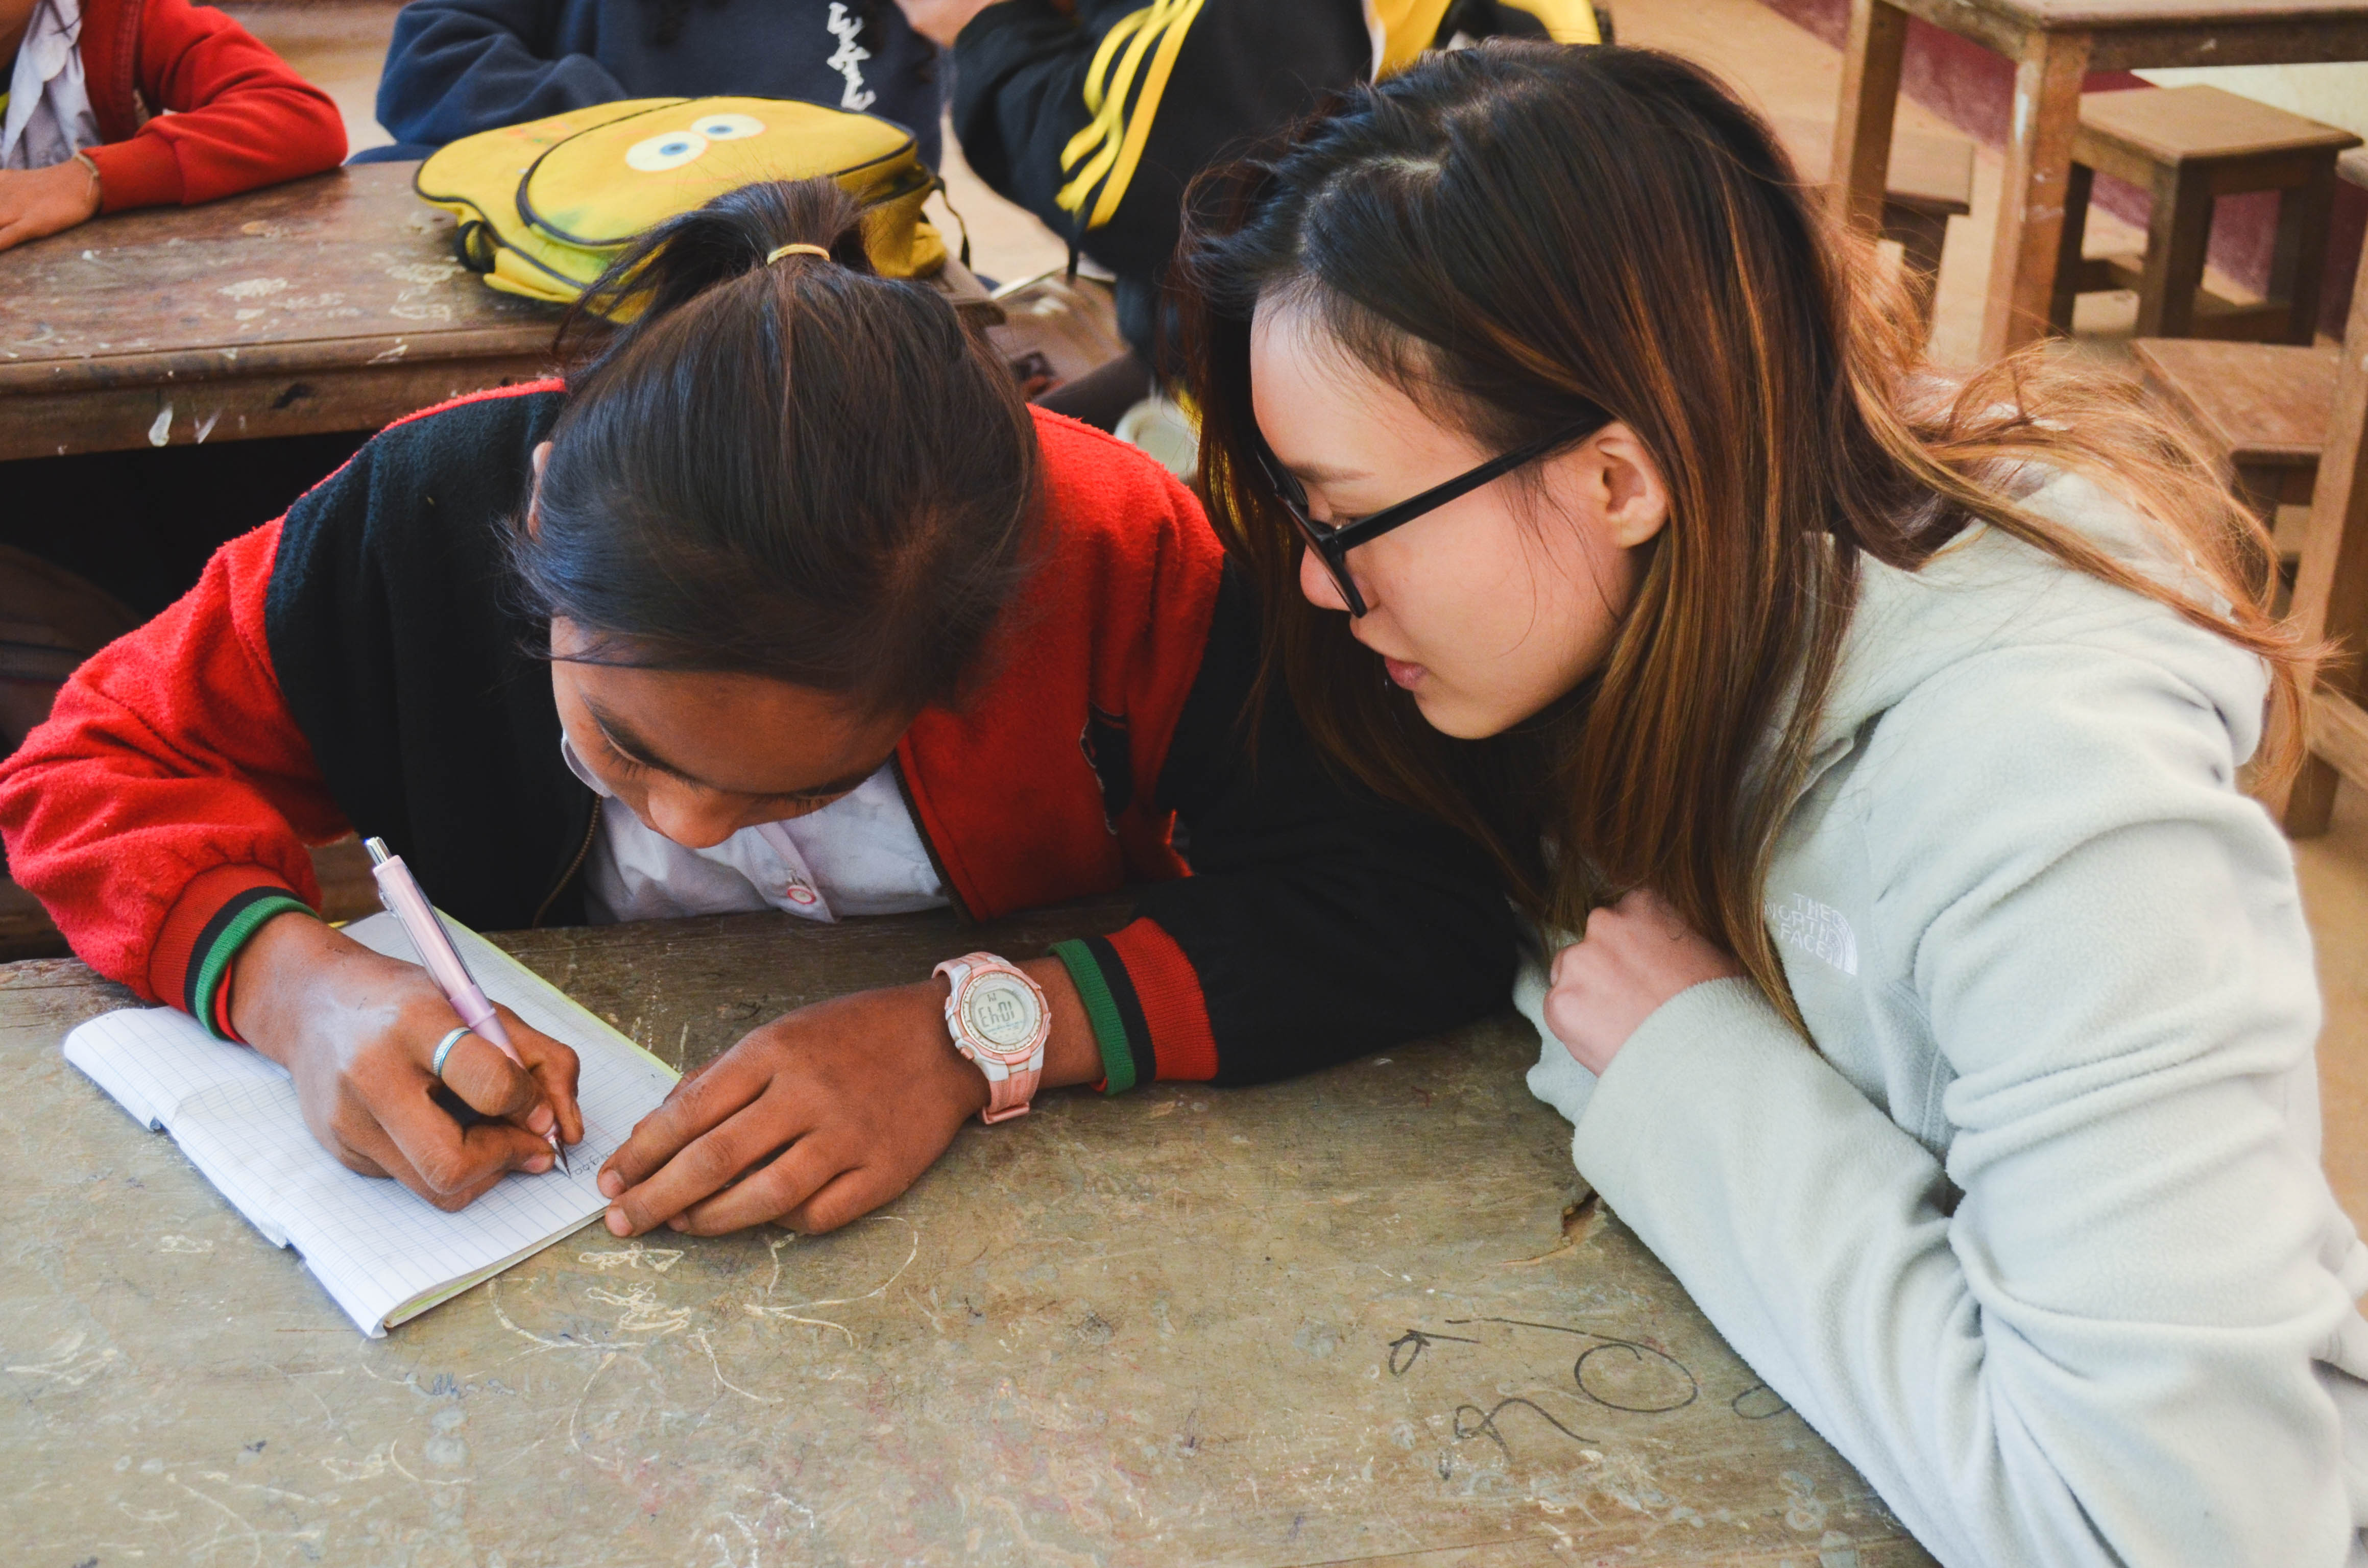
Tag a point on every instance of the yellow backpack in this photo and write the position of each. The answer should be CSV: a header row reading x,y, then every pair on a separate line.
x,y
545,207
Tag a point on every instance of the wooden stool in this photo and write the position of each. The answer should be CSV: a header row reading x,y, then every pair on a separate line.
x,y
1931,181
2264,407
2191,146
2330,599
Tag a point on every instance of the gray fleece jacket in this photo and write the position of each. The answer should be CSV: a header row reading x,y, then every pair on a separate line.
x,y
2036,1234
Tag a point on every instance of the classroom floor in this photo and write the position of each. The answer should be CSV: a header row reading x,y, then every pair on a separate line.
x,y
1788,73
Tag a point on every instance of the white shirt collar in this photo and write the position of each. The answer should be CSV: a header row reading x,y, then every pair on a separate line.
x,y
49,115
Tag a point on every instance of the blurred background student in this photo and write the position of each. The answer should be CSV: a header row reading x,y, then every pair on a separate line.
x,y
106,106
1095,114
456,67
85,76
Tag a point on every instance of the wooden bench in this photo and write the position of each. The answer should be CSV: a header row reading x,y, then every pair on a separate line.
x,y
2189,147
2263,406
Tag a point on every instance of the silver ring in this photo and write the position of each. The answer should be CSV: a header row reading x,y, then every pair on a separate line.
x,y
444,1048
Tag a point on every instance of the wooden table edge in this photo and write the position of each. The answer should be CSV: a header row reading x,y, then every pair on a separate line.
x,y
160,368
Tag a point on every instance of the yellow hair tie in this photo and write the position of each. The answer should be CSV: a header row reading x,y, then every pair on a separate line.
x,y
799,249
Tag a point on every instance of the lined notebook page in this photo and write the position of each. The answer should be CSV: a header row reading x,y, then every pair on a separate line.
x,y
383,1253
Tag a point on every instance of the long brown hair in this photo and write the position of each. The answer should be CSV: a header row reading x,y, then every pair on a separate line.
x,y
1517,234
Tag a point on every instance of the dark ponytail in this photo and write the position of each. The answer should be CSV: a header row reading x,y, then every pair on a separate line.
x,y
793,468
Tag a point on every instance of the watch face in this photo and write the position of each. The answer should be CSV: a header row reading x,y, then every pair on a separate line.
x,y
1000,1015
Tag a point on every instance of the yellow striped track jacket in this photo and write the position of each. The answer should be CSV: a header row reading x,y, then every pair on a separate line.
x,y
1095,114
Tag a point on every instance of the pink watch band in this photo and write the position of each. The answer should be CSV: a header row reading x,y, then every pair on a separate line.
x,y
1010,1097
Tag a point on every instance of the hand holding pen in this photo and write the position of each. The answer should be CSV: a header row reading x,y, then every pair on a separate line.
x,y
357,1030
402,896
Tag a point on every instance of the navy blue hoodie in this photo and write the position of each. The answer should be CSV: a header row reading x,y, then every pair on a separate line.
x,y
457,67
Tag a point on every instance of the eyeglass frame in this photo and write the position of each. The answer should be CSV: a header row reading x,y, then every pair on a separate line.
x,y
1332,544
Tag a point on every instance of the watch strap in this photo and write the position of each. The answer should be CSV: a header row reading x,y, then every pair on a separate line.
x,y
1010,1087
1008,1097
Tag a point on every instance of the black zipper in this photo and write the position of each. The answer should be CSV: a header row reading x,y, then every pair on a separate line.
x,y
573,866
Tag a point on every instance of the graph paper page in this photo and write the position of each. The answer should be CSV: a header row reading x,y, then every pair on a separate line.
x,y
376,1247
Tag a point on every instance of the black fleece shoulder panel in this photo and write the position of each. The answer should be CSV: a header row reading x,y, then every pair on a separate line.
x,y
1323,922
402,662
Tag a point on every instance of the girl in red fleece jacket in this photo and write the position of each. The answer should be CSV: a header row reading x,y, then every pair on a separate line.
x,y
785,601
82,127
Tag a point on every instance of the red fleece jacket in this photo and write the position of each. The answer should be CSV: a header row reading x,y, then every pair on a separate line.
x,y
239,117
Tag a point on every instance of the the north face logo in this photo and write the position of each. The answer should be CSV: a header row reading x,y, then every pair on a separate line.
x,y
1817,929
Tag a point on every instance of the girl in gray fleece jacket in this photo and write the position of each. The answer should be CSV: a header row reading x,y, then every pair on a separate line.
x,y
1944,1013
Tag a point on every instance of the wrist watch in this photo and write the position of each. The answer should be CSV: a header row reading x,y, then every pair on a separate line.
x,y
999,1019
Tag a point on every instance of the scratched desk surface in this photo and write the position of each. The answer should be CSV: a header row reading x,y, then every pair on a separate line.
x,y
1342,1319
329,303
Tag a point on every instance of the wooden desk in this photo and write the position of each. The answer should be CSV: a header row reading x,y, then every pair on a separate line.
x,y
1337,1320
2054,43
330,303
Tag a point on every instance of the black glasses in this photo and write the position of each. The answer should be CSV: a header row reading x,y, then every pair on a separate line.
x,y
1332,544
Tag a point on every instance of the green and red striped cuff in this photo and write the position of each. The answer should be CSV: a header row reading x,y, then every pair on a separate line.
x,y
216,914
1144,998
218,943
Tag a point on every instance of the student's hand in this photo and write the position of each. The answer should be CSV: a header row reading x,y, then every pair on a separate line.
x,y
823,1115
357,1030
34,202
941,21
1636,954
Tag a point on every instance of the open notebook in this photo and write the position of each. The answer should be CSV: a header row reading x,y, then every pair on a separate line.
x,y
385,1255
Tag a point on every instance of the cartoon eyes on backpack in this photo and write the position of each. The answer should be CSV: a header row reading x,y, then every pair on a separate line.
x,y
729,127
670,151
673,149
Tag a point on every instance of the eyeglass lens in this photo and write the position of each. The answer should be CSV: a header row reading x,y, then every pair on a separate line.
x,y
1318,536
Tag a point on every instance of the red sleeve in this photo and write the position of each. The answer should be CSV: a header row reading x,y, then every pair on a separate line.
x,y
1167,989
168,782
240,117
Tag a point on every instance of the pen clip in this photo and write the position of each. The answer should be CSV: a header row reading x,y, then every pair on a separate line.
x,y
380,855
